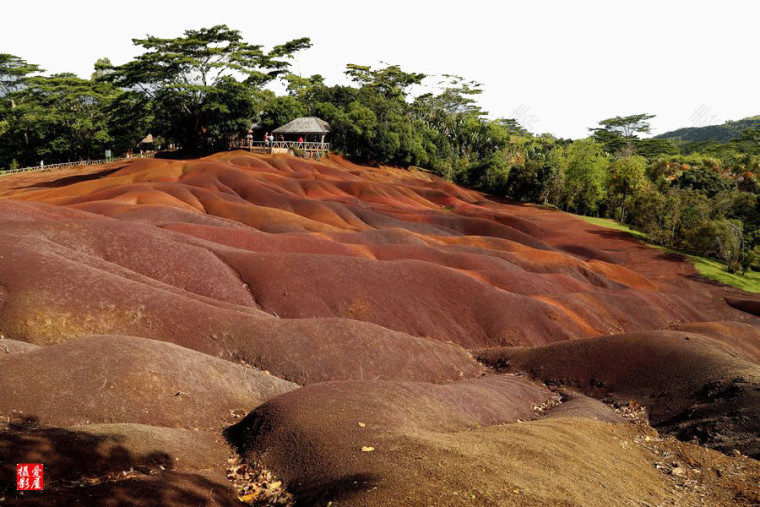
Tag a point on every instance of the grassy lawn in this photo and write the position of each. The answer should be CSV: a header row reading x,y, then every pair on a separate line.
x,y
611,224
715,270
709,268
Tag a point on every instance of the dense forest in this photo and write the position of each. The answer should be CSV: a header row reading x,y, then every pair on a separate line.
x,y
204,89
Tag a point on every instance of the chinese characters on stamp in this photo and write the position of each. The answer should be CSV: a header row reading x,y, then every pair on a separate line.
x,y
29,477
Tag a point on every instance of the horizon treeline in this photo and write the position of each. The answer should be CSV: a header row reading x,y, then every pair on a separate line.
x,y
204,90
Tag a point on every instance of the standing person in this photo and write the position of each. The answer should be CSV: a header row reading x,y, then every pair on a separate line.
x,y
300,141
266,139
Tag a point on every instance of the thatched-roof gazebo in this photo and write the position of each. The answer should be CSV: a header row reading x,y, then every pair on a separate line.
x,y
147,143
291,135
305,126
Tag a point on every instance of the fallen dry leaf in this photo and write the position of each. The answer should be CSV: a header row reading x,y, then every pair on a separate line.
x,y
249,499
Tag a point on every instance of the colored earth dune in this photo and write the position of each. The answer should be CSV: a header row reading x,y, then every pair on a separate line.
x,y
364,336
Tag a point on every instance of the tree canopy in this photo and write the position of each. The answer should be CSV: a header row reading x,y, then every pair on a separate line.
x,y
204,86
14,72
619,134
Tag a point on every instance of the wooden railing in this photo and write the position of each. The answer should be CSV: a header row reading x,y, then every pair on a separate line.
x,y
304,146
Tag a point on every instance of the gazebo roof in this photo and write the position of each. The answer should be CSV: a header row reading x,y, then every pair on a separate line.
x,y
304,125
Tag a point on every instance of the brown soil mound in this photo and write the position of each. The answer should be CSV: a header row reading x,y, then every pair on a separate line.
x,y
693,386
743,337
376,443
577,405
121,379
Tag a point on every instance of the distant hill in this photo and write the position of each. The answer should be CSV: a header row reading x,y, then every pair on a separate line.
x,y
722,133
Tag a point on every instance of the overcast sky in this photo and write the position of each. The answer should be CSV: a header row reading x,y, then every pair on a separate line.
x,y
556,66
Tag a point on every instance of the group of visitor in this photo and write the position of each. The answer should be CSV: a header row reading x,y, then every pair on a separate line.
x,y
269,139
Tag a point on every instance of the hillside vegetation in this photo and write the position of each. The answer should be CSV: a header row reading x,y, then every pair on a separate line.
x,y
721,133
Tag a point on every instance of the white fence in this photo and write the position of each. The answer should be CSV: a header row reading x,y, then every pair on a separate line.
x,y
50,167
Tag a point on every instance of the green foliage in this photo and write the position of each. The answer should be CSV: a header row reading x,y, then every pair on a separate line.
x,y
57,118
205,85
14,72
619,134
130,119
585,167
390,81
749,140
653,148
626,178
703,179
378,122
721,238
714,270
281,110
626,126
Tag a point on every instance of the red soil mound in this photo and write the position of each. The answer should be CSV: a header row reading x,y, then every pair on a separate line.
x,y
518,263
69,278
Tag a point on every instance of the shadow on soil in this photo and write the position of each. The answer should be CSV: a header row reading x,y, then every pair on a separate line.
x,y
338,490
613,234
70,180
86,469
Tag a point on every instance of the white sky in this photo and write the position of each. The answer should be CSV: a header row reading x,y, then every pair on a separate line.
x,y
556,66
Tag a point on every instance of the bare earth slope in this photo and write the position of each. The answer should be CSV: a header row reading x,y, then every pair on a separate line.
x,y
148,306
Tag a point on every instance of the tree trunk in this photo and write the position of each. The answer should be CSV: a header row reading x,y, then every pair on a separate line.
x,y
622,206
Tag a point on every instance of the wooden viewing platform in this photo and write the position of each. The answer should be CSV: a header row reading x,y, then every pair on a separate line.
x,y
307,147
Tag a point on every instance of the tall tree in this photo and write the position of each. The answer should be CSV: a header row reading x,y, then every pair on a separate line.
x,y
626,178
13,73
619,134
390,81
585,173
205,85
